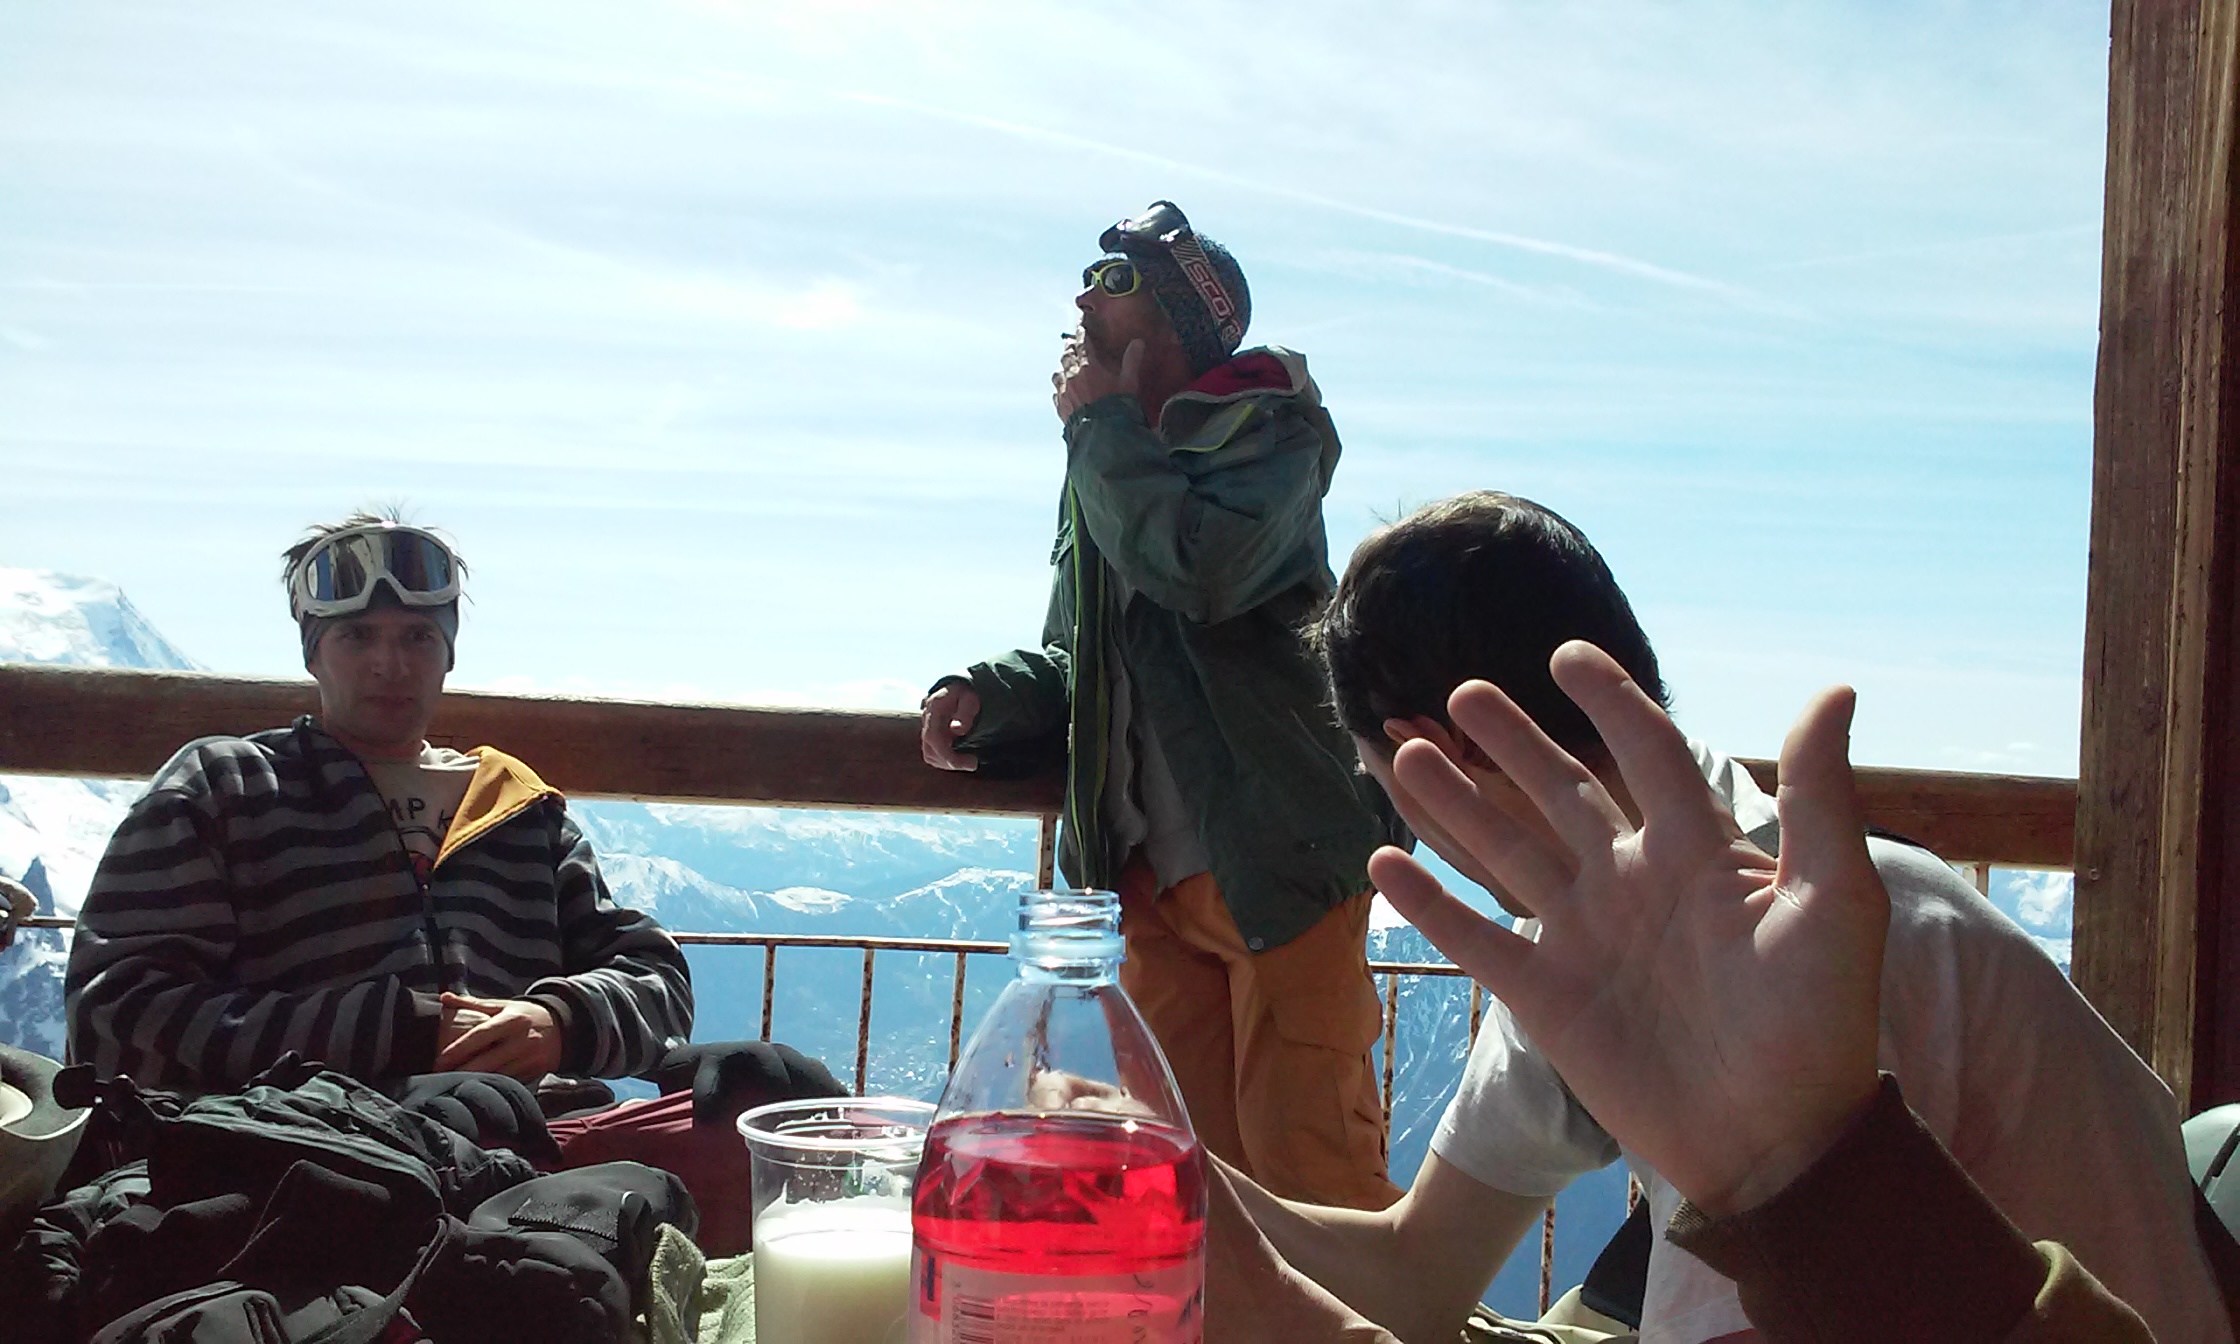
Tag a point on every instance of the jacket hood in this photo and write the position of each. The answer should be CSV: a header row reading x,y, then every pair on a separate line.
x,y
1269,368
1229,399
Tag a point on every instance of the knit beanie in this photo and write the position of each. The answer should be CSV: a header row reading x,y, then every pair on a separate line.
x,y
1208,338
445,616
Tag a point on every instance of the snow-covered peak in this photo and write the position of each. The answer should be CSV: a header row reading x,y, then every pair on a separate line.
x,y
47,617
811,900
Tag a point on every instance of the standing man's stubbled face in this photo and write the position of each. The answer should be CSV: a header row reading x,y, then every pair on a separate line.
x,y
380,674
1109,323
1125,343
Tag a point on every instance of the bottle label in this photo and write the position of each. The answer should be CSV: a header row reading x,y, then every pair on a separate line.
x,y
958,1304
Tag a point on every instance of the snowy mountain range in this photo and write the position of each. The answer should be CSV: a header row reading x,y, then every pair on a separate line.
x,y
771,870
52,831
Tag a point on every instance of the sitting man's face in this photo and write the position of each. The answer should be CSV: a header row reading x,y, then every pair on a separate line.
x,y
380,673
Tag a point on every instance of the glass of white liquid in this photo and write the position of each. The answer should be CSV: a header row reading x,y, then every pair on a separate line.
x,y
832,1182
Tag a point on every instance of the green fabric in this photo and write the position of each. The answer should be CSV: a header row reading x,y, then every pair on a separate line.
x,y
1214,521
673,1280
726,1301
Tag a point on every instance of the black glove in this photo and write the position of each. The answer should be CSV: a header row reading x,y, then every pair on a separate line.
x,y
489,1110
559,1096
729,1077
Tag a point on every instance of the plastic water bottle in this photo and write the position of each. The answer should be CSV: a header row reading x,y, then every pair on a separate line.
x,y
1062,1198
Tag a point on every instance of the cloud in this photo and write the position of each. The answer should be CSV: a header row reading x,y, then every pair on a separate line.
x,y
1632,267
1425,270
824,306
2044,902
1994,243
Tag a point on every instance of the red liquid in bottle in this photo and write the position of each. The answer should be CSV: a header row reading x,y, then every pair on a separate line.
x,y
1059,1227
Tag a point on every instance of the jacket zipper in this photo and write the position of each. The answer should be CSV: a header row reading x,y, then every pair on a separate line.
x,y
1100,712
426,884
427,903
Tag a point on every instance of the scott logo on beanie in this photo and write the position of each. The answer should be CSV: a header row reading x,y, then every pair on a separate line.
x,y
1199,270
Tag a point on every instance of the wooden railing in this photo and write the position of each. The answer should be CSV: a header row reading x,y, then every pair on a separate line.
x,y
107,723
122,724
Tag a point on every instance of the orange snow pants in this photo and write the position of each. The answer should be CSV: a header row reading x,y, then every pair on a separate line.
x,y
1271,1049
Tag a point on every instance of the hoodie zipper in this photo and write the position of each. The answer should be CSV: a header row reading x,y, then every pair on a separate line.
x,y
427,898
426,885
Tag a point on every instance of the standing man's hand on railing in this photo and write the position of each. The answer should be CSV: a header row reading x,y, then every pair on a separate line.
x,y
946,714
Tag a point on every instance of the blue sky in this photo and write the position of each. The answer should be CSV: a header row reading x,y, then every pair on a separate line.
x,y
719,334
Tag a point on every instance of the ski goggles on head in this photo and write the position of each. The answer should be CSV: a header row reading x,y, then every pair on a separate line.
x,y
1160,226
1165,228
1115,277
338,575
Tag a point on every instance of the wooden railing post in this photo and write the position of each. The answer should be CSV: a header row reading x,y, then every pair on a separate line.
x,y
1046,852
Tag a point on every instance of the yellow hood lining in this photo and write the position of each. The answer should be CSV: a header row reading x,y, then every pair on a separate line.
x,y
502,788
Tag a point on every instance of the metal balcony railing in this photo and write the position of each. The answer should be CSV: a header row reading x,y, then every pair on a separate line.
x,y
107,723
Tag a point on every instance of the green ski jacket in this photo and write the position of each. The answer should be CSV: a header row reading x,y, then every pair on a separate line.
x,y
1214,524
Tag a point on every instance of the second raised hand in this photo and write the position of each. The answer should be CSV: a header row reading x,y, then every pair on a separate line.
x,y
1714,1010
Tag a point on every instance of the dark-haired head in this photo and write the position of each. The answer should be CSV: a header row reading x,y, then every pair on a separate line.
x,y
1481,586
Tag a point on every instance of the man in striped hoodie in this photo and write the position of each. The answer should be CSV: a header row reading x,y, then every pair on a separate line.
x,y
340,888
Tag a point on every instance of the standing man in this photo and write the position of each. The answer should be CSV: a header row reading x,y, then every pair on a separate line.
x,y
1207,779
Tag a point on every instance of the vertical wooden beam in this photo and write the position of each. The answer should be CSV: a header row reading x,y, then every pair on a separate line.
x,y
2135,433
2156,786
2201,828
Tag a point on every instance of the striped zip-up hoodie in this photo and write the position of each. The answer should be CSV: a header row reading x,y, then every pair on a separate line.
x,y
258,899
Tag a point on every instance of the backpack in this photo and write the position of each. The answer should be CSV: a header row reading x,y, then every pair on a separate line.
x,y
310,1207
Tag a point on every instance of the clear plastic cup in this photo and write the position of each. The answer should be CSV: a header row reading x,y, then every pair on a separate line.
x,y
832,1180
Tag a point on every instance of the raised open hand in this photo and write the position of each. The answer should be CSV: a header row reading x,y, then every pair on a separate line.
x,y
1716,1011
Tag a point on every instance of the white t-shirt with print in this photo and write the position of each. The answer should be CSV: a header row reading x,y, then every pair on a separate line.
x,y
423,796
2057,1120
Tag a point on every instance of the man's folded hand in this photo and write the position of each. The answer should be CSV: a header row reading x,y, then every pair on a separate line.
x,y
515,1037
